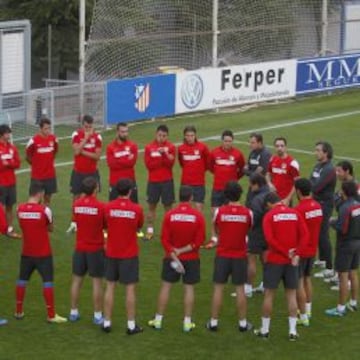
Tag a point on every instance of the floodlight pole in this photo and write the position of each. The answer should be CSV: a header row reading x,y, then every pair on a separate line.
x,y
324,27
81,56
49,50
215,32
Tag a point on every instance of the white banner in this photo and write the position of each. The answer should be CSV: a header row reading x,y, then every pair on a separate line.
x,y
234,85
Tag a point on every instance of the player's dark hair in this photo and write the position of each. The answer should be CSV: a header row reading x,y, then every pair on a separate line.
x,y
272,198
88,185
124,186
162,128
227,133
303,185
233,191
185,193
257,179
349,188
258,137
280,138
4,129
326,148
346,166
88,119
189,128
36,187
121,124
43,122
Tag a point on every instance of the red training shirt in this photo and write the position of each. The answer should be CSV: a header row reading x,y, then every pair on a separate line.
x,y
89,215
226,165
158,165
41,151
9,162
284,229
311,212
283,171
194,160
123,218
182,226
232,223
83,164
121,159
34,220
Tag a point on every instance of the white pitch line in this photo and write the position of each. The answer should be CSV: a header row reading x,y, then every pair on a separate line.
x,y
290,124
216,137
306,152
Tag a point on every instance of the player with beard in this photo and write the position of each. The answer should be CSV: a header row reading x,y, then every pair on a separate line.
x,y
282,172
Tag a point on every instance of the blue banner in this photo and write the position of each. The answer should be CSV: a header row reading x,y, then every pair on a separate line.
x,y
328,73
140,98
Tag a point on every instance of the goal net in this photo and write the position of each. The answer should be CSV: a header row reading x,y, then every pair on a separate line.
x,y
130,37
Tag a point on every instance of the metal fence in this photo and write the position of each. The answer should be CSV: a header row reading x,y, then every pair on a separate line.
x,y
62,104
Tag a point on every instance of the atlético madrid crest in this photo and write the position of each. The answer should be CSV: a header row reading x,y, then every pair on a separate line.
x,y
142,97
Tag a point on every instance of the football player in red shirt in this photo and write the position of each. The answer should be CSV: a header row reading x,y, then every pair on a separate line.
x,y
35,221
89,215
86,143
183,232
3,230
122,262
9,162
227,164
311,212
283,171
40,154
3,222
121,157
159,160
286,234
232,223
193,158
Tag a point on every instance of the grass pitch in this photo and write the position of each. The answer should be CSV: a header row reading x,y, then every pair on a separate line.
x,y
333,118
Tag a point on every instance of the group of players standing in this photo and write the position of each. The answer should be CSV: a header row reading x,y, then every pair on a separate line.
x,y
284,238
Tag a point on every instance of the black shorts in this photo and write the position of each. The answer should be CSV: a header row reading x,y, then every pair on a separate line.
x,y
274,273
224,267
44,266
198,193
218,198
164,189
77,179
191,276
256,243
348,257
49,185
305,267
8,195
89,262
114,194
126,271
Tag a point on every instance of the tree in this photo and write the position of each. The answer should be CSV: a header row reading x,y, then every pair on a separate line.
x,y
63,17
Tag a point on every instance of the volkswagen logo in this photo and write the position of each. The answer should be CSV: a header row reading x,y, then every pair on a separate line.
x,y
192,91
